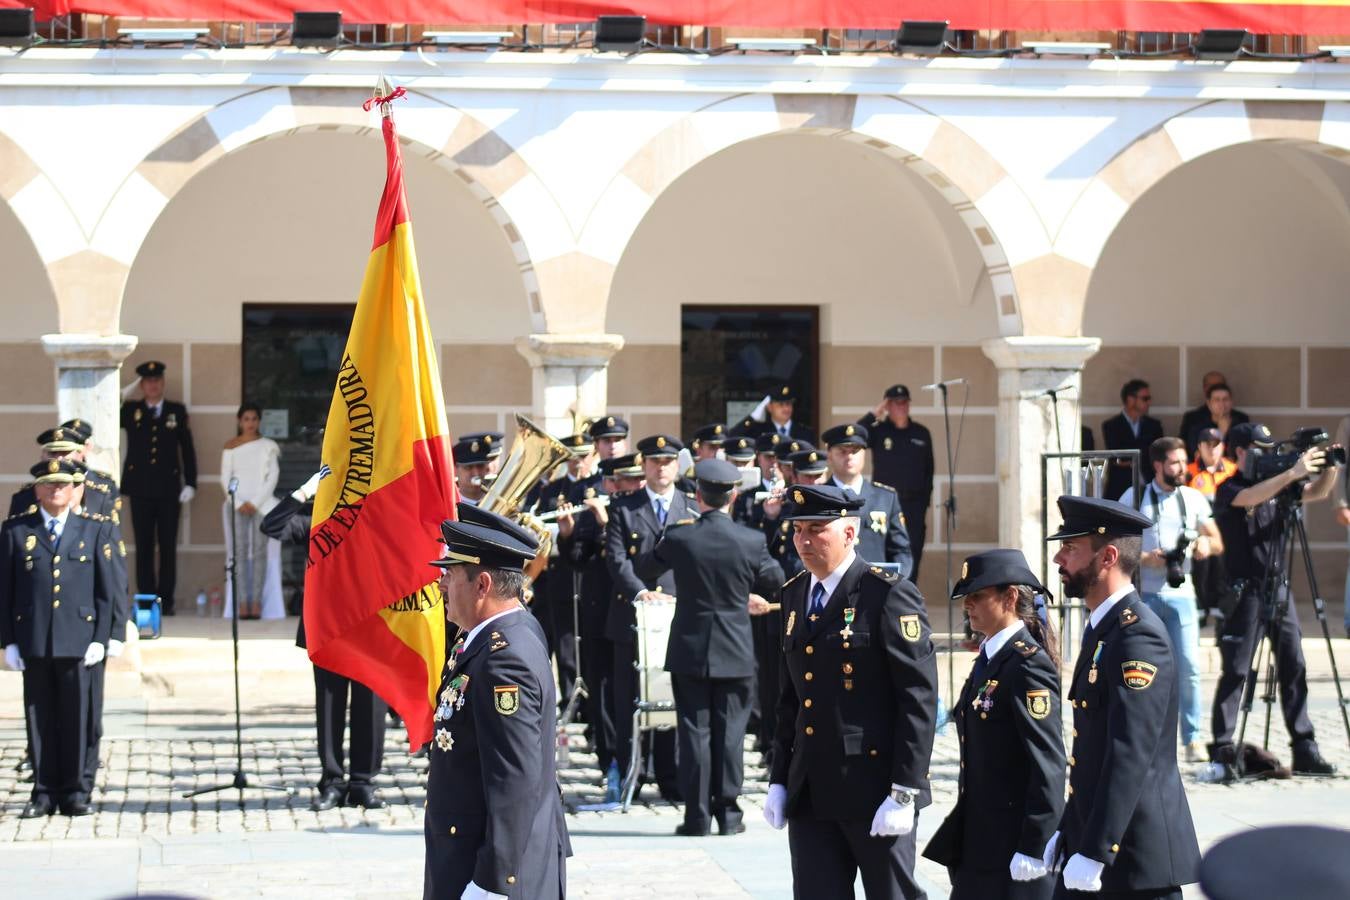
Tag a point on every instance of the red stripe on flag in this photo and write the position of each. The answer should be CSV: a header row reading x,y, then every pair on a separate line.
x,y
394,201
384,664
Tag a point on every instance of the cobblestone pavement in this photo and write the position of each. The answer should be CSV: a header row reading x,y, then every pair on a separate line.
x,y
145,835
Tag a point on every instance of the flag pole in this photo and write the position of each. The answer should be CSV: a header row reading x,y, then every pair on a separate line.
x,y
383,89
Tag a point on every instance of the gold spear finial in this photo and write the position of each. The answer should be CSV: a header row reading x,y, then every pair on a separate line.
x,y
383,89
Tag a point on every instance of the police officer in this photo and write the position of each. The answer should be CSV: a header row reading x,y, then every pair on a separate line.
x,y
473,463
883,537
636,522
717,565
57,577
748,510
781,407
856,716
1126,830
494,820
1011,786
493,442
159,476
708,441
902,459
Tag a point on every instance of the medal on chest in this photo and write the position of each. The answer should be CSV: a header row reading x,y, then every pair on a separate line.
x,y
453,697
847,631
1096,655
984,698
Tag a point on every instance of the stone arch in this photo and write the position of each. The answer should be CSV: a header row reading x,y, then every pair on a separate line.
x,y
1000,218
460,144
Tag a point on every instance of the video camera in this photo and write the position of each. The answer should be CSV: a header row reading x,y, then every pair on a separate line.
x,y
1176,557
1262,464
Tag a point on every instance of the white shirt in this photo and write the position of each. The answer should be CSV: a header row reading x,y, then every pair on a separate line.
x,y
155,408
785,430
857,490
831,581
1162,506
473,632
1134,423
992,645
1100,612
60,521
653,496
257,465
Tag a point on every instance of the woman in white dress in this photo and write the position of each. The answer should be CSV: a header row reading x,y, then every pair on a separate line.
x,y
256,462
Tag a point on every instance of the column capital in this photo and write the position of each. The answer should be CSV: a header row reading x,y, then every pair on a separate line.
x,y
89,351
571,350
1038,352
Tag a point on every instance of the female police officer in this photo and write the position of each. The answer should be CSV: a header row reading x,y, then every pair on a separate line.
x,y
1011,790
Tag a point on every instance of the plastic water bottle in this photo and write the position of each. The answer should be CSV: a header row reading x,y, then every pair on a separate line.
x,y
612,782
201,604
563,756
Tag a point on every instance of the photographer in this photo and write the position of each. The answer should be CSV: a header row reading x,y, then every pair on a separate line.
x,y
1182,531
1250,519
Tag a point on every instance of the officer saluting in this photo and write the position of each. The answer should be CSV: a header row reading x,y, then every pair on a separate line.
x,y
902,459
57,576
717,565
1127,827
857,711
494,821
1011,792
159,475
882,537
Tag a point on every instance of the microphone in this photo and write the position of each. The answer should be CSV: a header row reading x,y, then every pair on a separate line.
x,y
942,384
234,485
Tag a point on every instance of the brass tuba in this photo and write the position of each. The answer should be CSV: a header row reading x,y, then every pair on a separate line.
x,y
533,454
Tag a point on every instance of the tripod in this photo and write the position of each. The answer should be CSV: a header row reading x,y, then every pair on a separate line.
x,y
579,689
240,781
1290,533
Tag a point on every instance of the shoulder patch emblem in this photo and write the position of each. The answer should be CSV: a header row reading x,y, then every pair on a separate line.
x,y
507,698
1128,616
1138,674
1038,704
910,629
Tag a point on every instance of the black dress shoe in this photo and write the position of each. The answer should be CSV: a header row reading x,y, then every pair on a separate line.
x,y
1310,762
36,809
364,796
75,806
684,829
24,765
329,797
670,793
737,827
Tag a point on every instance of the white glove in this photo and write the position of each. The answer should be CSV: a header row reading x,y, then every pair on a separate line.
x,y
13,659
1051,848
115,648
94,655
306,491
474,892
1026,868
1083,874
187,493
759,413
775,806
131,388
892,819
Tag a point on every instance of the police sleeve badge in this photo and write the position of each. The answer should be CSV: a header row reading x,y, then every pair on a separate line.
x,y
1038,704
910,629
1138,674
507,697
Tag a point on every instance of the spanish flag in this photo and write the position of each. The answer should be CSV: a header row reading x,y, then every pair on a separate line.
x,y
373,611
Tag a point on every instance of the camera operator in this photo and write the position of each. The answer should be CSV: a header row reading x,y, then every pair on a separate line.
x,y
1183,530
1250,519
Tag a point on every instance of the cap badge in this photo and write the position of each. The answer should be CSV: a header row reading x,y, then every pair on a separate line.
x,y
849,431
965,570
798,497
610,421
660,441
53,467
474,447
784,392
637,457
775,439
488,440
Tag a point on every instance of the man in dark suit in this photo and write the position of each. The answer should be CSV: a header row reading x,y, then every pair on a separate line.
x,y
636,523
1209,413
494,819
1127,828
857,712
159,476
717,564
57,577
882,536
1133,429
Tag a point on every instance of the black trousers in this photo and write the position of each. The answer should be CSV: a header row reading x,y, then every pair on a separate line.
x,y
917,528
94,732
625,694
1235,653
56,701
154,521
712,715
596,666
827,855
367,721
767,631
971,885
561,629
1063,893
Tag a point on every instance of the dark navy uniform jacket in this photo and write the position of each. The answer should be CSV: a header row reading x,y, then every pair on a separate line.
x,y
901,457
1011,786
634,530
56,601
160,455
584,551
717,564
881,533
494,812
1126,805
858,706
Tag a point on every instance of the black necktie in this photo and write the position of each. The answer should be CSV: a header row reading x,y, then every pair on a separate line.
x,y
817,599
1088,634
981,664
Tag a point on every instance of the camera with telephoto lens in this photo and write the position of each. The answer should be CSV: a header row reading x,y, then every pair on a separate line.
x,y
1262,463
1176,557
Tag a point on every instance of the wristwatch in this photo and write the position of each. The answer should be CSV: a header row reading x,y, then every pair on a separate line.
x,y
903,797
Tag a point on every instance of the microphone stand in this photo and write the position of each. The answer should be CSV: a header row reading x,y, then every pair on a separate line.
x,y
240,781
949,529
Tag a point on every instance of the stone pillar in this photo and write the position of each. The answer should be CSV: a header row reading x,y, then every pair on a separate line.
x,y
88,387
570,376
1028,367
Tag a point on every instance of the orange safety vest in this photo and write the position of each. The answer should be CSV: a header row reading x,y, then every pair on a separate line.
x,y
1207,482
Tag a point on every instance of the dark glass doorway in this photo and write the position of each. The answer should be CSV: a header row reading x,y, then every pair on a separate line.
x,y
730,356
291,357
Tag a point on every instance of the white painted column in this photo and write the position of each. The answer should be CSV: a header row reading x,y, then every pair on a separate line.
x,y
1029,367
570,376
88,387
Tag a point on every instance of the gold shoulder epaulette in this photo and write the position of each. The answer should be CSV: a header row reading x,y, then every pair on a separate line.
x,y
1026,649
888,577
884,486
689,521
794,578
1128,616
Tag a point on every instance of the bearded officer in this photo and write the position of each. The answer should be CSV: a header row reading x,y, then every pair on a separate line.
x,y
494,821
857,712
882,536
1127,830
